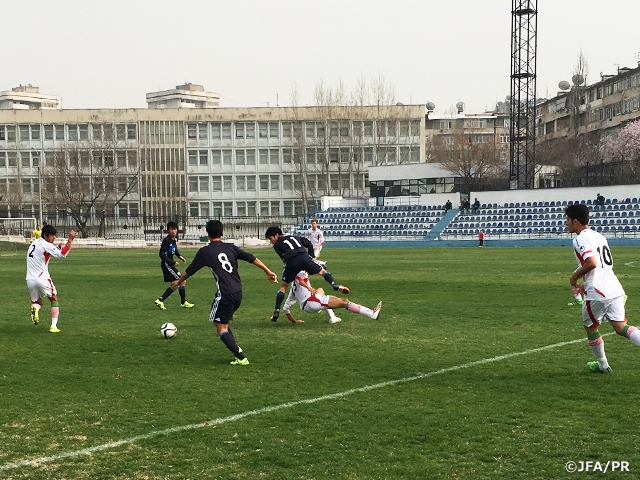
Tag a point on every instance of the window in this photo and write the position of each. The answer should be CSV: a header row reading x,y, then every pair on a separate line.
x,y
251,183
241,208
121,159
251,157
108,131
25,160
193,184
35,132
275,208
203,184
287,131
368,129
226,130
268,130
240,157
245,130
2,135
11,133
344,128
415,128
274,157
273,129
3,159
193,158
12,159
404,128
392,128
287,182
132,129
309,129
216,130
504,138
24,133
59,129
227,183
275,183
264,182
203,157
121,131
312,156
216,183
96,132
83,131
286,155
264,156
192,131
241,183
202,131
226,157
72,133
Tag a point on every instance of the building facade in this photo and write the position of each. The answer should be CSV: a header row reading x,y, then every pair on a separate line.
x,y
188,95
602,108
25,97
202,163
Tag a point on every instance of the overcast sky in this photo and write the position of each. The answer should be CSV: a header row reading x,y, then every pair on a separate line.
x,y
97,54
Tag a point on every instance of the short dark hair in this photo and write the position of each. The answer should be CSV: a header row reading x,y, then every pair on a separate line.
x,y
578,212
272,232
48,230
214,228
172,225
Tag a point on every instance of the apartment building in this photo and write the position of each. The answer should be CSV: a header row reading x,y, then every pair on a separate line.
x,y
191,162
602,108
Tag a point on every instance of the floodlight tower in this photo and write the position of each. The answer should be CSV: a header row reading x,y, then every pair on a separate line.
x,y
522,100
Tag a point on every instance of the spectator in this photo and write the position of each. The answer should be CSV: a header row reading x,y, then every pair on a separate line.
x,y
448,206
481,238
476,206
599,200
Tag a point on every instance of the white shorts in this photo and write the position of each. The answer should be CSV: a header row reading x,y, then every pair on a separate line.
x,y
603,310
41,287
315,303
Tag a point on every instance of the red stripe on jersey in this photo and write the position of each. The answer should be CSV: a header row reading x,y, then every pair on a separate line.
x,y
47,256
600,293
590,313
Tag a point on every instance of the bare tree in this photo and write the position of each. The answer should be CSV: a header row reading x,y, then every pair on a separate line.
x,y
85,179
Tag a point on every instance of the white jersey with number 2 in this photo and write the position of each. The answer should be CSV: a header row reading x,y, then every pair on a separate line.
x,y
38,256
600,283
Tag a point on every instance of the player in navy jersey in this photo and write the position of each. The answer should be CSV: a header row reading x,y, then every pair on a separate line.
x,y
169,266
297,254
222,259
604,297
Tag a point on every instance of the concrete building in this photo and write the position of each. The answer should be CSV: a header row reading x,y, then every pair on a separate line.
x,y
188,95
602,108
25,97
165,164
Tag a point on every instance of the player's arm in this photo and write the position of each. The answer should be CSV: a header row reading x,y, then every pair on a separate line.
x,y
179,255
588,265
308,245
164,246
272,277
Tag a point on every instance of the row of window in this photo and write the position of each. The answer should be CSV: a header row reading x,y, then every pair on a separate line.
x,y
70,132
14,187
123,209
306,129
250,183
271,156
245,209
418,186
85,158
472,123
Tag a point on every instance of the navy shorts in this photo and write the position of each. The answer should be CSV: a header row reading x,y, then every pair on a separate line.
x,y
170,272
224,306
297,264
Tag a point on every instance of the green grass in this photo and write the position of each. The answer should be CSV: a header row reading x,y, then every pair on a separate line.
x,y
109,376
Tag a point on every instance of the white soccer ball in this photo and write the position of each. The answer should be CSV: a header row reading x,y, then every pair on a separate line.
x,y
168,330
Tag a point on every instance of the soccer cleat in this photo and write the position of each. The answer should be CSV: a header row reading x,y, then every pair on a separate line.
x,y
160,304
575,302
376,311
625,300
335,320
341,289
274,317
594,366
187,305
35,315
237,361
321,263
54,330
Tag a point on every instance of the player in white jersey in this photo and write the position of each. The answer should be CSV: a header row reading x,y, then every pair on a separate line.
x,y
316,237
604,296
313,300
293,298
39,281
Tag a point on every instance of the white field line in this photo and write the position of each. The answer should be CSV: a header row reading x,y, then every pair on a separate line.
x,y
273,408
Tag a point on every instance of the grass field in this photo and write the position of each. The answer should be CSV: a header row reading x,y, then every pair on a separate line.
x,y
475,370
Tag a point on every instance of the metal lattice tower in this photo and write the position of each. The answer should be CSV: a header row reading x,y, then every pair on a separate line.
x,y
524,44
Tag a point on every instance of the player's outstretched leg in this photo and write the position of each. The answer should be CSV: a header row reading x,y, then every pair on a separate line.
x,y
183,297
276,310
338,288
596,343
332,316
371,313
55,313
230,342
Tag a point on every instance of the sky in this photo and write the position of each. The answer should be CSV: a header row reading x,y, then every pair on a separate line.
x,y
255,53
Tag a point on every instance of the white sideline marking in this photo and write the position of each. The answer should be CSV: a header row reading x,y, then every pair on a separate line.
x,y
273,408
630,264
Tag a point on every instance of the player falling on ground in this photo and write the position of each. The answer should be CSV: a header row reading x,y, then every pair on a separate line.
x,y
293,298
39,281
603,293
297,255
313,300
316,237
222,260
169,266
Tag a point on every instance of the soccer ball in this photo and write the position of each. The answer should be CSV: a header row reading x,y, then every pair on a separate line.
x,y
168,330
